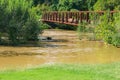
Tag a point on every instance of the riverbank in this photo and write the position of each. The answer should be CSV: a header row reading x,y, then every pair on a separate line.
x,y
66,72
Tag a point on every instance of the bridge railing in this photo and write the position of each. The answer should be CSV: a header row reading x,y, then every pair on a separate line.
x,y
72,18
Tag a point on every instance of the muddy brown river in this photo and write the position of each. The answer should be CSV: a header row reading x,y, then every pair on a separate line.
x,y
65,47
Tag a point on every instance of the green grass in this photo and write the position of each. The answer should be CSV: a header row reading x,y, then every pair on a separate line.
x,y
66,72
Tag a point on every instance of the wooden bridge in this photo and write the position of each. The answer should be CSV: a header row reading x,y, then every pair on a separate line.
x,y
71,18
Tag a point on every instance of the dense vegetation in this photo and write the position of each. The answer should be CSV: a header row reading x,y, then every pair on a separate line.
x,y
109,29
19,20
80,5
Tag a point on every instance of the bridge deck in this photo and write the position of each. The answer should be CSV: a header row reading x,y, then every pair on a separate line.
x,y
72,18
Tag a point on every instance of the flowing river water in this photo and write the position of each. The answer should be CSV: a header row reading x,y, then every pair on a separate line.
x,y
65,47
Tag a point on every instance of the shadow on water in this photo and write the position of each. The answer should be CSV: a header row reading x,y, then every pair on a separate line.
x,y
41,43
52,43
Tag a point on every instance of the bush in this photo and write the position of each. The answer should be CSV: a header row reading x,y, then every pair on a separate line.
x,y
106,29
116,36
116,40
109,29
19,20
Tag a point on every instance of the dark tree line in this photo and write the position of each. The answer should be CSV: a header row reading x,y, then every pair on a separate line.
x,y
81,5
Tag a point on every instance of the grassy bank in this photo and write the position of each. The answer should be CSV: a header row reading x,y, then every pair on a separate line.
x,y
66,72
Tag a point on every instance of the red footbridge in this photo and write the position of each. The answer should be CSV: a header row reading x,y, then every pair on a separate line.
x,y
72,17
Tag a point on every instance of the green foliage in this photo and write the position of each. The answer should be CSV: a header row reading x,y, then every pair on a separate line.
x,y
32,29
109,29
116,36
100,5
66,5
107,4
64,26
85,27
116,39
94,18
18,20
90,4
44,26
73,4
47,2
117,21
81,27
106,28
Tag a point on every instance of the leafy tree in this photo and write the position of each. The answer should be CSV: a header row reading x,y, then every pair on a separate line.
x,y
90,4
72,4
107,4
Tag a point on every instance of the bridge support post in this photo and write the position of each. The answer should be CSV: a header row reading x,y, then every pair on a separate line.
x,y
63,17
67,14
59,15
81,17
56,16
87,17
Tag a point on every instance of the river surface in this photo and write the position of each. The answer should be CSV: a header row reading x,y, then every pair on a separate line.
x,y
65,47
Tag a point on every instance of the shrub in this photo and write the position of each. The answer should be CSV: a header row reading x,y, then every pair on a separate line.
x,y
109,29
116,36
19,20
106,29
116,40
